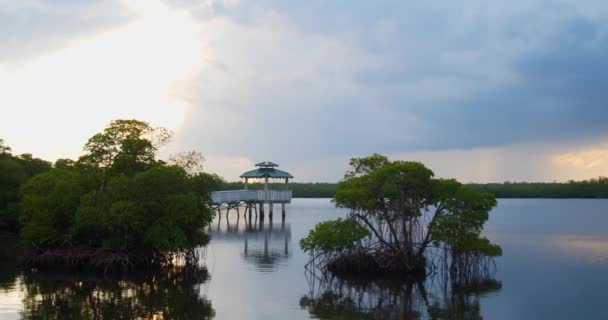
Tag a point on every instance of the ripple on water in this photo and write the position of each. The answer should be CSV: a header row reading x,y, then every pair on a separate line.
x,y
588,250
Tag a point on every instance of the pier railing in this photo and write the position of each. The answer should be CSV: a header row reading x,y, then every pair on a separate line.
x,y
236,196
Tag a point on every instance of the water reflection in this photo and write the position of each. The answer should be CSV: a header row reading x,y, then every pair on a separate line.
x,y
170,294
547,273
265,243
8,263
335,298
583,249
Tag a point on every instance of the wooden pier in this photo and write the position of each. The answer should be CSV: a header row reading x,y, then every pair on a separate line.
x,y
255,199
257,196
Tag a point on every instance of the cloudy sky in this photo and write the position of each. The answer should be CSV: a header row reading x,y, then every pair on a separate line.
x,y
478,90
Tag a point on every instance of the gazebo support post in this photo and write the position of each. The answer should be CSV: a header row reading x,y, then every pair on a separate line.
x,y
261,221
283,204
266,197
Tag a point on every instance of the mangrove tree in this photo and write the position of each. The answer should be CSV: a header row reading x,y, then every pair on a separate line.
x,y
403,220
118,206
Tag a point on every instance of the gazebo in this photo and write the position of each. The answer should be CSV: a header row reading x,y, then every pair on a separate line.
x,y
251,198
266,170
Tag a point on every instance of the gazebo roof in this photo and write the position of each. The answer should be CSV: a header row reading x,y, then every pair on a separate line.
x,y
266,170
266,164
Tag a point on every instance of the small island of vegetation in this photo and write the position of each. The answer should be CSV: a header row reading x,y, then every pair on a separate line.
x,y
404,221
118,207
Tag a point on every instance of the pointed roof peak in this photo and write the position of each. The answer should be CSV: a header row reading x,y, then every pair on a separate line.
x,y
266,164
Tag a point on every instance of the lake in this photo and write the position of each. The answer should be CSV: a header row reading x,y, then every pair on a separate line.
x,y
554,266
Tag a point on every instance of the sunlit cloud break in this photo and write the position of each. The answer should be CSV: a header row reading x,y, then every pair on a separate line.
x,y
124,72
478,91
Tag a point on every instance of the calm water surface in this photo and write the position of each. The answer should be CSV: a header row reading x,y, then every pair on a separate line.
x,y
555,266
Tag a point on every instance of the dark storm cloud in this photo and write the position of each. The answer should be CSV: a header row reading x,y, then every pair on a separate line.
x,y
559,93
311,81
409,76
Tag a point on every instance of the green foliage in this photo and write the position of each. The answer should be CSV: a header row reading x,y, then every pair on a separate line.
x,y
155,210
33,166
64,164
334,236
191,161
204,183
389,199
365,165
4,149
398,190
48,204
393,181
124,147
593,188
461,222
119,197
14,171
12,175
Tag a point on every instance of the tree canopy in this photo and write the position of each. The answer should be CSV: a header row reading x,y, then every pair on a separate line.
x,y
405,211
3,147
124,147
14,171
119,203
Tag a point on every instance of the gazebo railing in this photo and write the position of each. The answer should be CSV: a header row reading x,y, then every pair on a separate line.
x,y
235,196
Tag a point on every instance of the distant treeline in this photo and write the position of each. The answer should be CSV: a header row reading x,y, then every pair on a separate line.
x,y
594,188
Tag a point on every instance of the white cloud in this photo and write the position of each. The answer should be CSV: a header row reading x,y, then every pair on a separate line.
x,y
54,102
479,92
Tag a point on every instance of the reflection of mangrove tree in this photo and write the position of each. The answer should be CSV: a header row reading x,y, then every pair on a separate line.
x,y
171,294
8,261
403,220
335,298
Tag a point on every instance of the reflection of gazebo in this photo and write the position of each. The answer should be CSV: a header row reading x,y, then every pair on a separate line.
x,y
266,170
265,245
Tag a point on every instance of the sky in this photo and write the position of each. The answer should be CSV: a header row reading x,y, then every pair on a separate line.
x,y
481,91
